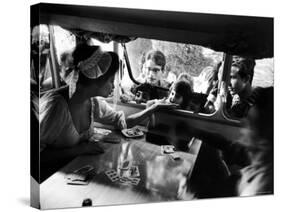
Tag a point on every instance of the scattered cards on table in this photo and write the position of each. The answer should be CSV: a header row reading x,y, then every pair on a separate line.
x,y
80,176
170,150
127,174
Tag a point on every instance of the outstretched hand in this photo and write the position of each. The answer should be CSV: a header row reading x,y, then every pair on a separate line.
x,y
162,103
166,105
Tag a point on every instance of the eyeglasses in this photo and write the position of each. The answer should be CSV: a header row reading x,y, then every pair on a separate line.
x,y
153,69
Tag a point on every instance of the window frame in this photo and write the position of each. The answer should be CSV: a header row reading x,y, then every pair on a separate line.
x,y
53,59
223,84
219,115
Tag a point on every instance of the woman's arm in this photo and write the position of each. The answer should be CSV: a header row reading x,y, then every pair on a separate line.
x,y
152,106
136,118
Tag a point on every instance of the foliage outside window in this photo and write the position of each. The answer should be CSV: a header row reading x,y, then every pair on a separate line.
x,y
180,58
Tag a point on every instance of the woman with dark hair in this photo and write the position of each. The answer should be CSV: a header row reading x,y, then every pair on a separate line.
x,y
67,114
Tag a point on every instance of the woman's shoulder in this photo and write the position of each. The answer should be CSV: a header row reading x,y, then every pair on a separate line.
x,y
99,103
56,94
101,107
54,98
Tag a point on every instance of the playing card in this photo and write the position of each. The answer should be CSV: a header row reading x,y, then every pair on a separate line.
x,y
112,175
134,171
114,178
125,180
124,172
134,181
125,165
110,172
167,149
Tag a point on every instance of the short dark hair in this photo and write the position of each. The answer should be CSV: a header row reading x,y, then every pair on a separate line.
x,y
157,57
246,67
183,88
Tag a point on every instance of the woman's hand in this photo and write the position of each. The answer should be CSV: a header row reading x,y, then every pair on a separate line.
x,y
90,148
161,103
164,103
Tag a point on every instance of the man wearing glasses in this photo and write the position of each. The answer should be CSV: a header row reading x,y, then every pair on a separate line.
x,y
152,77
154,68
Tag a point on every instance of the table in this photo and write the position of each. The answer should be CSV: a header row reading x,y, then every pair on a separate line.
x,y
161,177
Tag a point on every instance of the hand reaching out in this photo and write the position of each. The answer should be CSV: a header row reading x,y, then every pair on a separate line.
x,y
161,103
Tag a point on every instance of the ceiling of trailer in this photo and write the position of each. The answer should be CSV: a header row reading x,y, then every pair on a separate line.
x,y
238,35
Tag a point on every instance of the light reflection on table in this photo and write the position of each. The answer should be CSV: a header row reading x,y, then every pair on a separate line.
x,y
161,177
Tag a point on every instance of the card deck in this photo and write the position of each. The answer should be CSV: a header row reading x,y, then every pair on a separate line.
x,y
127,174
129,181
110,172
134,181
125,180
114,178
